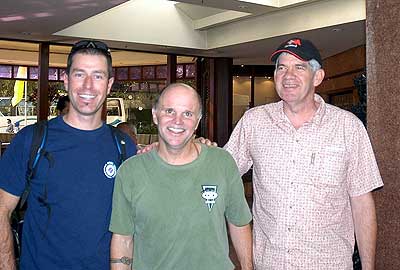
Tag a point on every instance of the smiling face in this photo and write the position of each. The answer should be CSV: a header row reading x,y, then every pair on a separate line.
x,y
295,81
88,84
177,116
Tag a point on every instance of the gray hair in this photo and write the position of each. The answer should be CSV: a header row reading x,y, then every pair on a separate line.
x,y
175,85
312,63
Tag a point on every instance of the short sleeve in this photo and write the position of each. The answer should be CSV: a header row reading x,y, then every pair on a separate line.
x,y
237,209
238,145
363,173
13,163
122,212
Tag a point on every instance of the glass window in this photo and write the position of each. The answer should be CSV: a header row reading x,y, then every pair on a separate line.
x,y
144,86
179,71
190,71
134,87
161,72
33,73
22,72
135,73
62,72
53,75
5,71
241,97
264,91
122,73
148,72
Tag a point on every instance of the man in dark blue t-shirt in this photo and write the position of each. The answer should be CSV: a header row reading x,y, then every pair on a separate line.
x,y
69,206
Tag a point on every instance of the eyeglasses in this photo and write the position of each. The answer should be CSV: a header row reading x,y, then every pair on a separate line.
x,y
87,44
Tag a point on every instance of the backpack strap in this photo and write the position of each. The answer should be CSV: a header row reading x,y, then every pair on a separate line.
x,y
119,141
39,139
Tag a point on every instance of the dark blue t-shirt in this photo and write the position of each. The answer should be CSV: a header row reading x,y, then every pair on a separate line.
x,y
69,206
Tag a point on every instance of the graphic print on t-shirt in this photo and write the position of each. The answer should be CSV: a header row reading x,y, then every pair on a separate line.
x,y
110,170
209,194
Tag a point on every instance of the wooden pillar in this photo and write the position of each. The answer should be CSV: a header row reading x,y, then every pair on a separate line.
x,y
211,101
171,69
43,82
223,99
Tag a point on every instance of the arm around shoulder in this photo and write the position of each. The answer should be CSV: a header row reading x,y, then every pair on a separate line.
x,y
8,202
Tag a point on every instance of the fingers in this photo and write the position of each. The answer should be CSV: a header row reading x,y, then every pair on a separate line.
x,y
146,148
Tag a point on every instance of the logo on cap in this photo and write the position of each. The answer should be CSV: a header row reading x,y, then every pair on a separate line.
x,y
293,43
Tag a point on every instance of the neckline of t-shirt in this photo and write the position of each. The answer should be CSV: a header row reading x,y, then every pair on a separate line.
x,y
189,165
96,131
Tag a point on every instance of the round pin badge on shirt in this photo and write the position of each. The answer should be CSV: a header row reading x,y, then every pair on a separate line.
x,y
110,170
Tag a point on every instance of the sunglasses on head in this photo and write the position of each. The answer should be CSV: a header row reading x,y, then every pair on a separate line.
x,y
94,44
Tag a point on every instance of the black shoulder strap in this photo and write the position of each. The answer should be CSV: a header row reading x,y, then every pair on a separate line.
x,y
37,150
119,143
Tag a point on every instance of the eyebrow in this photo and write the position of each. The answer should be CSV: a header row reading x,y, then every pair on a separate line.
x,y
83,70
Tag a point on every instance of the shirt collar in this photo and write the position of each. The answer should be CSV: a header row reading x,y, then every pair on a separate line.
x,y
278,115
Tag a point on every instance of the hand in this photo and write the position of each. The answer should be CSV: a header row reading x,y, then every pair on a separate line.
x,y
206,141
147,148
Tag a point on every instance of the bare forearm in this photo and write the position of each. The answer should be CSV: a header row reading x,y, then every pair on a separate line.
x,y
243,244
121,256
7,205
7,259
364,216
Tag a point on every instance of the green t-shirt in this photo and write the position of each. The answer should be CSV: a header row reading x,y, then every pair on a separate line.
x,y
178,214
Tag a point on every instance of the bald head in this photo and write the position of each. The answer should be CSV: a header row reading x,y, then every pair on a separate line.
x,y
176,89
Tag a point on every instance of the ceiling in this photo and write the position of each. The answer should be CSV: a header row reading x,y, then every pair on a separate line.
x,y
248,31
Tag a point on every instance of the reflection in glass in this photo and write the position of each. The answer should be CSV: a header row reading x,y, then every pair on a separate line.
x,y
148,72
33,73
53,75
122,73
161,72
179,71
5,71
190,70
135,73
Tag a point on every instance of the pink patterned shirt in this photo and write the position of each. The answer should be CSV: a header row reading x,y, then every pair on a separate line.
x,y
303,180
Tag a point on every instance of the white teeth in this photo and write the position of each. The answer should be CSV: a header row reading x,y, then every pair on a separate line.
x,y
176,130
87,96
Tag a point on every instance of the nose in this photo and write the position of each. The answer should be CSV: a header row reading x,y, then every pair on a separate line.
x,y
178,119
88,82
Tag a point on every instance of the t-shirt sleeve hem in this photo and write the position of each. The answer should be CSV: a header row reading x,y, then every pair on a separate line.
x,y
118,230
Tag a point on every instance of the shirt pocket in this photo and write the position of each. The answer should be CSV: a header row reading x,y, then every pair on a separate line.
x,y
329,166
328,174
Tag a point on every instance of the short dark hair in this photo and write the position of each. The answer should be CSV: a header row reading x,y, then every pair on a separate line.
x,y
62,103
90,47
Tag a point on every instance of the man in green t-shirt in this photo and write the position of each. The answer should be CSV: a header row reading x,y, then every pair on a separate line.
x,y
171,205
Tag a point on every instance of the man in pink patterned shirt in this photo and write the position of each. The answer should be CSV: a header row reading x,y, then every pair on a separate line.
x,y
313,172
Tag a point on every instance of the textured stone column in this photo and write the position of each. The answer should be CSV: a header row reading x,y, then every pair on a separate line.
x,y
383,116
